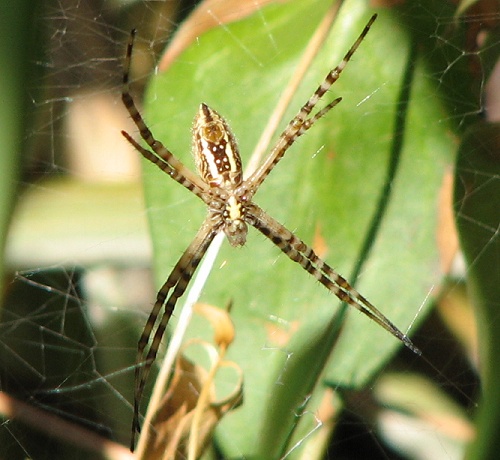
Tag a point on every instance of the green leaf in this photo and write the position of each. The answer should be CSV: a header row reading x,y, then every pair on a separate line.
x,y
366,185
17,50
477,194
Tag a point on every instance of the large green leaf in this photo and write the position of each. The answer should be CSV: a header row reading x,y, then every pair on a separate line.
x,y
368,191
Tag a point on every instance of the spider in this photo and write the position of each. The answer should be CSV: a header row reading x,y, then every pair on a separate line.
x,y
228,196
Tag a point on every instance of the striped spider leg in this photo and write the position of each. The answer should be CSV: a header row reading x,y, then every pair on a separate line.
x,y
220,185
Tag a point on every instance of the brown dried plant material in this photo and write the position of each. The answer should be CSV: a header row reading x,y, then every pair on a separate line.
x,y
457,312
320,245
209,15
190,410
220,321
447,237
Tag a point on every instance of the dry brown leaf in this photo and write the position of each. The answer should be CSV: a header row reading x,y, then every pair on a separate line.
x,y
458,315
209,15
319,243
189,412
220,321
279,335
447,237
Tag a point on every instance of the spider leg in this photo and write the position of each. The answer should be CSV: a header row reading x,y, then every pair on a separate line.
x,y
300,252
303,120
164,166
184,175
178,280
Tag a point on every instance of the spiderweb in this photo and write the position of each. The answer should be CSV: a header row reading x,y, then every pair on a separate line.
x,y
78,283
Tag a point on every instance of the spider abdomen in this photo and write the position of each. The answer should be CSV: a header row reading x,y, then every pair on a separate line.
x,y
215,150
